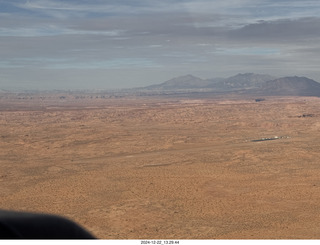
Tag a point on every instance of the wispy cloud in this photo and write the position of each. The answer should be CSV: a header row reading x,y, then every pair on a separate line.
x,y
53,31
121,63
248,51
61,9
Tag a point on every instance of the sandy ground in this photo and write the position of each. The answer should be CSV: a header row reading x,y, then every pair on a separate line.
x,y
153,168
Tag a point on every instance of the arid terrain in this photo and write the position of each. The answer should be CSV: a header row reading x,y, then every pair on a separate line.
x,y
163,167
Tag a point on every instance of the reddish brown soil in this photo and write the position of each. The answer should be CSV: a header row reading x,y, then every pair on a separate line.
x,y
152,168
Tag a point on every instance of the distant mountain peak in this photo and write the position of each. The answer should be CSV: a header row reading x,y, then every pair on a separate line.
x,y
291,86
245,74
182,82
244,83
188,76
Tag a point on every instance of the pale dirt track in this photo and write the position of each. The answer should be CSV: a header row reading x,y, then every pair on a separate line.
x,y
161,169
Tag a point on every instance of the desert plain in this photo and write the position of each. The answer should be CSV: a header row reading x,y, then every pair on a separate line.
x,y
165,167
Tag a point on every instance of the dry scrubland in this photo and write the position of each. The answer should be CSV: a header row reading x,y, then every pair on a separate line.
x,y
151,168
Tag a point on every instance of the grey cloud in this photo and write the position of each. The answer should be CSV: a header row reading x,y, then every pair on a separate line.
x,y
279,31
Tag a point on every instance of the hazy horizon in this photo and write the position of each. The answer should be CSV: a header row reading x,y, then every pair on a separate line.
x,y
52,44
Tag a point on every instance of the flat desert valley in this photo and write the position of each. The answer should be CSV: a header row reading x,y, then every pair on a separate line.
x,y
152,167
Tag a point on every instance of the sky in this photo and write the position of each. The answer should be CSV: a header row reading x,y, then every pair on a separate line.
x,y
112,44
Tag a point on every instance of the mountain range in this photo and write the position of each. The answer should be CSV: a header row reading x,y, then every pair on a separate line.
x,y
247,83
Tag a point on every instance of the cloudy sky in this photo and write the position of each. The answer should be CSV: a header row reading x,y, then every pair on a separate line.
x,y
107,44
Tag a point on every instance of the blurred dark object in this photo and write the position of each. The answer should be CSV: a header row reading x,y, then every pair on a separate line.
x,y
20,225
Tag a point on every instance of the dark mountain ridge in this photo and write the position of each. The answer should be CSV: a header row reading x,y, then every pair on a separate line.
x,y
298,86
239,81
246,83
183,82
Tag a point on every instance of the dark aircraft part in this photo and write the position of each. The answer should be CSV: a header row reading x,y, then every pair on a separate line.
x,y
20,225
